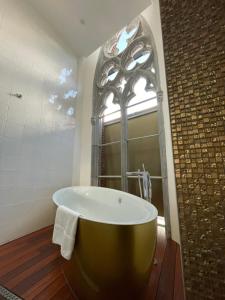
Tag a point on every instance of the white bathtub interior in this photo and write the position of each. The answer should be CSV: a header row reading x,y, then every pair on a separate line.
x,y
106,205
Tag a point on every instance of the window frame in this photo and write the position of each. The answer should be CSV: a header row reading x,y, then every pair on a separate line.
x,y
143,35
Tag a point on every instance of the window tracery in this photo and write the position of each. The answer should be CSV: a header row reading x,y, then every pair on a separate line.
x,y
126,84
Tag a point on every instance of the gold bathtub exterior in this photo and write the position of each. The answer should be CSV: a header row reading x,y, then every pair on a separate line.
x,y
111,262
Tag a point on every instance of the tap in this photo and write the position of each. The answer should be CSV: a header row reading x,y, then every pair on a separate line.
x,y
146,187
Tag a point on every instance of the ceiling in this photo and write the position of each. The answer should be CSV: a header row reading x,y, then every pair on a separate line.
x,y
86,24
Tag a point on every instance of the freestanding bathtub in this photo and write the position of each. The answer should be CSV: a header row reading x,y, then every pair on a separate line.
x,y
114,246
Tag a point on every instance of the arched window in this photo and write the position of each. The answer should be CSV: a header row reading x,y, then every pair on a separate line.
x,y
126,86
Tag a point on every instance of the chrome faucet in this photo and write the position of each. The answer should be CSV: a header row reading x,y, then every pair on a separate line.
x,y
146,186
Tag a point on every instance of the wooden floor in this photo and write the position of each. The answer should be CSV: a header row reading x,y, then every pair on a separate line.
x,y
31,268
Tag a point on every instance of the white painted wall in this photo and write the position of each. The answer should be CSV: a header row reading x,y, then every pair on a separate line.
x,y
82,156
36,140
86,24
152,16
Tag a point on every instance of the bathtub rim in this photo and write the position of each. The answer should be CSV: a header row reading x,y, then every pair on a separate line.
x,y
147,204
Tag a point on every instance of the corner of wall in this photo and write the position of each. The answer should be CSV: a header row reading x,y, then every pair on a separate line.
x,y
82,152
152,16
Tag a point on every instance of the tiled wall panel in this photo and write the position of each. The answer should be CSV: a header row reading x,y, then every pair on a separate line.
x,y
36,135
194,45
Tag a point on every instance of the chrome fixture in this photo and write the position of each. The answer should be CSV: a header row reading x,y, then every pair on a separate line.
x,y
146,186
19,96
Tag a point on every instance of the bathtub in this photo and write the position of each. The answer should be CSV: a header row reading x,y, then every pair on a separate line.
x,y
114,246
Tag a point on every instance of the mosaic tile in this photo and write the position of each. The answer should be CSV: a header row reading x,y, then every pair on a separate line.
x,y
194,48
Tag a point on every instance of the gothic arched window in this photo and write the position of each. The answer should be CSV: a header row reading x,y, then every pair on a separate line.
x,y
126,86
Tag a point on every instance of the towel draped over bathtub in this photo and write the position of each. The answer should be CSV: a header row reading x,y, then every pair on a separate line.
x,y
65,229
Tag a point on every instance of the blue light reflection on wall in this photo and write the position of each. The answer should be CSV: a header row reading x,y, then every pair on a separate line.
x,y
63,97
70,111
64,74
70,94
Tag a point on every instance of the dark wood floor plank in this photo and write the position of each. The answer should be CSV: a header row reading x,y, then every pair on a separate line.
x,y
178,284
165,289
52,289
36,287
27,239
10,253
21,257
30,263
31,267
24,285
63,293
156,268
34,269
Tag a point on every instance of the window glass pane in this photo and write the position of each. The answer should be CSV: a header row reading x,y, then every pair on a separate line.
x,y
112,117
133,187
112,74
122,39
109,73
112,110
110,160
140,57
110,106
126,35
157,193
112,183
110,154
142,106
111,133
143,125
140,93
144,151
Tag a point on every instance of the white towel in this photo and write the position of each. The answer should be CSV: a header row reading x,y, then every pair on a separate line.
x,y
65,229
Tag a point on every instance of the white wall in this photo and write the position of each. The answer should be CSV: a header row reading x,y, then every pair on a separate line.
x,y
84,113
152,16
36,140
86,24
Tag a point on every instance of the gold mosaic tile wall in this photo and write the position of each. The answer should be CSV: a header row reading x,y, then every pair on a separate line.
x,y
194,45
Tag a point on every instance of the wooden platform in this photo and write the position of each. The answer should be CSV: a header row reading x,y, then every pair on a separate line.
x,y
31,267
